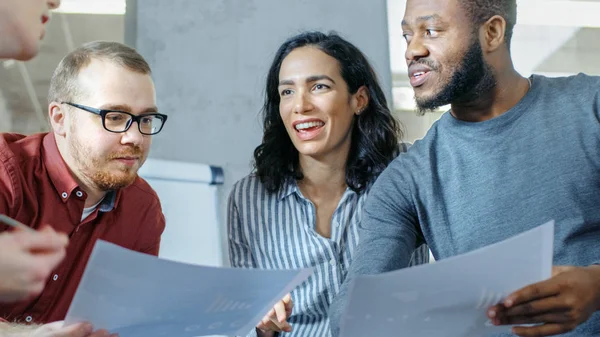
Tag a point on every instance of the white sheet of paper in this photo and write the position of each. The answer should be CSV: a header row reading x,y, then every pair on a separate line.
x,y
450,297
135,294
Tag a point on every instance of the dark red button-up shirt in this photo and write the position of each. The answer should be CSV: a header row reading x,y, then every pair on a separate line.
x,y
37,188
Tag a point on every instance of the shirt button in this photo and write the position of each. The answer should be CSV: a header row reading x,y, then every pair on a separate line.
x,y
64,195
28,319
337,224
79,194
55,277
333,263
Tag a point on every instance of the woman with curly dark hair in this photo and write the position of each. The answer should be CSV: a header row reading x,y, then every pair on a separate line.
x,y
328,134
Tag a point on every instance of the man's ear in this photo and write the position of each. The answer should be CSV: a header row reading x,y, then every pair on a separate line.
x,y
58,118
493,34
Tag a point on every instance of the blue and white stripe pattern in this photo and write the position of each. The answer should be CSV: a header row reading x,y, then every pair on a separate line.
x,y
277,231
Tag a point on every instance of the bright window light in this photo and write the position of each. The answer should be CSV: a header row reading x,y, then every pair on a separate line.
x,y
559,13
92,6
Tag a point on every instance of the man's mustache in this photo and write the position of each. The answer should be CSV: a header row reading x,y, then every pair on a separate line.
x,y
136,152
426,62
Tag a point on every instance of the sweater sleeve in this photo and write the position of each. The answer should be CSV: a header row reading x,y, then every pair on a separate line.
x,y
389,234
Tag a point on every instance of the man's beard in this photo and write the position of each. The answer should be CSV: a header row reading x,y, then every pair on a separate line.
x,y
472,79
95,171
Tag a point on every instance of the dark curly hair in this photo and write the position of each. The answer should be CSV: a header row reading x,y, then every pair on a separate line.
x,y
375,133
482,10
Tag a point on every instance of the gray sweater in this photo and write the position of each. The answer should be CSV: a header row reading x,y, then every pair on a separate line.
x,y
467,185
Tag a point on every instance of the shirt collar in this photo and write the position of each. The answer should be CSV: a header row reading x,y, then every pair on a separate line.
x,y
62,179
291,186
109,202
288,187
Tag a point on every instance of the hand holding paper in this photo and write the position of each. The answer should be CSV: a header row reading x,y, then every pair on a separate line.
x,y
561,303
276,318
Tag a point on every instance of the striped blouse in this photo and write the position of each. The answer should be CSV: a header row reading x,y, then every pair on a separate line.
x,y
277,231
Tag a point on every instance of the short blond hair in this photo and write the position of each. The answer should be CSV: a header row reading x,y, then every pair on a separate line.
x,y
62,84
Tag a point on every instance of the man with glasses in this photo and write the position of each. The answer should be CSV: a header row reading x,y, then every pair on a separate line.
x,y
81,178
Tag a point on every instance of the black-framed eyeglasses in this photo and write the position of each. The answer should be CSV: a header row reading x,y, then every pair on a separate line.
x,y
120,121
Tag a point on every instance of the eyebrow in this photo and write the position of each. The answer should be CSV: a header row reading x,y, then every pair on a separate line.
x,y
126,108
309,79
432,17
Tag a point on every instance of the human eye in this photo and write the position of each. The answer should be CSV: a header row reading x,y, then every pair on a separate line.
x,y
320,86
285,92
147,120
406,37
115,117
431,33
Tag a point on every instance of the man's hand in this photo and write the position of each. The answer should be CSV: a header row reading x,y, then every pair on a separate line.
x,y
557,305
56,329
276,319
26,260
